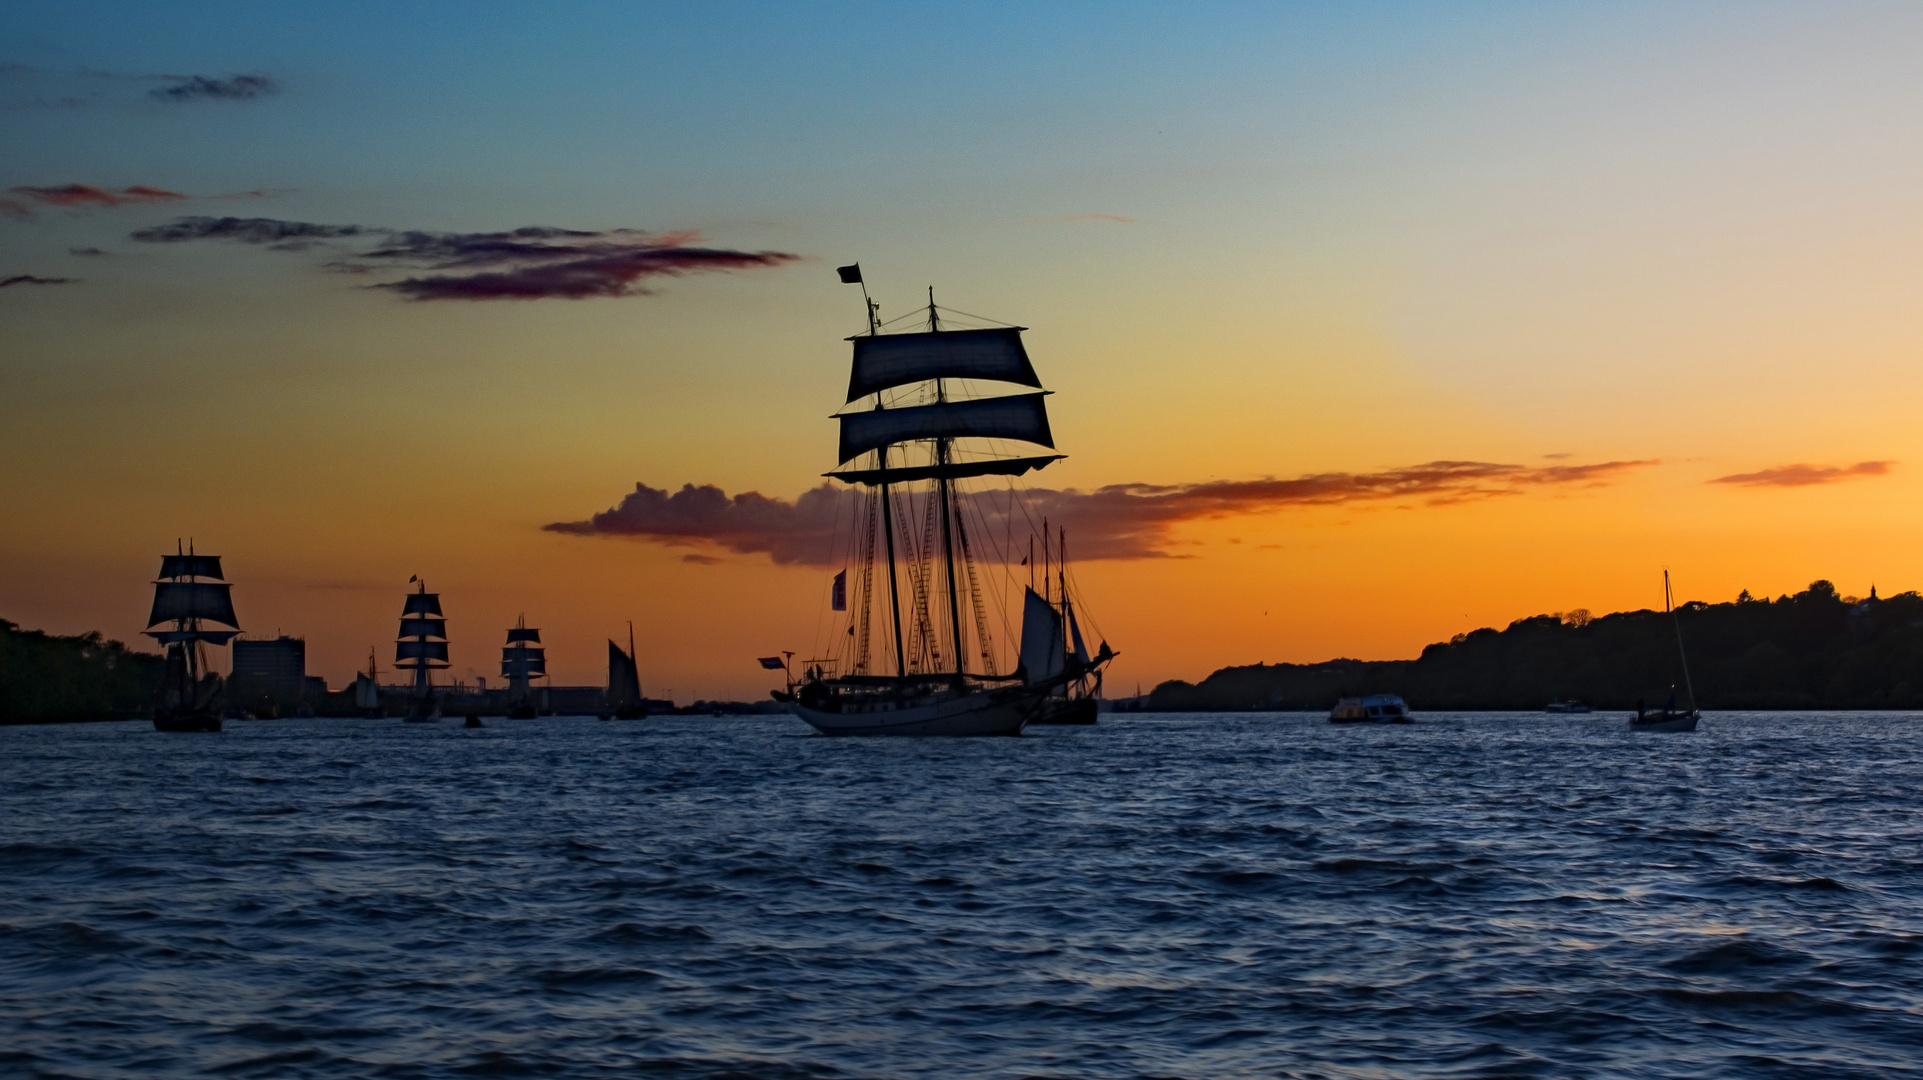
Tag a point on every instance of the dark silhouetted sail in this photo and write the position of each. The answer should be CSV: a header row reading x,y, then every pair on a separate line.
x,y
524,633
1042,654
179,566
521,661
624,680
422,603
419,627
420,652
1017,416
193,600
885,361
954,470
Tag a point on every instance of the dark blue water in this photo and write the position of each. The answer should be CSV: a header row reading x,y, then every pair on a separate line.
x,y
1162,896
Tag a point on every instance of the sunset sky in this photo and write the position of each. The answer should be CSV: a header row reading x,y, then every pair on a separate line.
x,y
1644,277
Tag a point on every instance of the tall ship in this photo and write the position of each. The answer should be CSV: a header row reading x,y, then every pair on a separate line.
x,y
915,653
189,595
523,659
624,700
421,648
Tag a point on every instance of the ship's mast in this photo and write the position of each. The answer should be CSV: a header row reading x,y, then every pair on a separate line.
x,y
946,493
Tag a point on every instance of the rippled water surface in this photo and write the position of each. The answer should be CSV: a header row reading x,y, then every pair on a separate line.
x,y
1167,896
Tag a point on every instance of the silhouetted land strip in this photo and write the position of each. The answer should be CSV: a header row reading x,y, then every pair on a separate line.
x,y
1811,650
45,678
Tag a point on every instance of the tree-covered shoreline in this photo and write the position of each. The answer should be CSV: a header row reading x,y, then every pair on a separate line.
x,y
47,678
1813,650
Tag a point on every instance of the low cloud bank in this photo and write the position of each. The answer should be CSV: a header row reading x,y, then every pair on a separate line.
x,y
1806,475
1120,521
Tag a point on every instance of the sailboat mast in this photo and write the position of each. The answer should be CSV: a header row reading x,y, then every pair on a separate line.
x,y
1676,619
888,527
948,556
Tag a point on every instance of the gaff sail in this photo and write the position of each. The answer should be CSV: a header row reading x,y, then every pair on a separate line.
x,y
624,679
1042,654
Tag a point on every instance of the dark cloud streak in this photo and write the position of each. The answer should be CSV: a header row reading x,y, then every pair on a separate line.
x,y
29,279
202,88
21,202
532,263
1805,475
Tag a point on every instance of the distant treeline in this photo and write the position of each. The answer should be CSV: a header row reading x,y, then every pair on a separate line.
x,y
46,678
1811,650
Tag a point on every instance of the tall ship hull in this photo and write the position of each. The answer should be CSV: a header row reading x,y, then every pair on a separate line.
x,y
992,712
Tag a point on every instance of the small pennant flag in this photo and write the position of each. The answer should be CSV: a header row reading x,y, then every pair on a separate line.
x,y
850,274
772,663
838,599
412,578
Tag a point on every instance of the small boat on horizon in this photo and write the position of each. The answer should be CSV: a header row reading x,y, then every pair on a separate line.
x,y
417,649
367,692
1373,709
1668,717
1570,706
190,590
1079,700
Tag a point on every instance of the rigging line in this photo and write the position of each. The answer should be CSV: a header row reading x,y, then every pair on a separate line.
x,y
834,545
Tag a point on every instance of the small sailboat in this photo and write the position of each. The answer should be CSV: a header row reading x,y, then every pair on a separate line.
x,y
1668,717
418,649
188,593
624,700
907,443
522,660
367,692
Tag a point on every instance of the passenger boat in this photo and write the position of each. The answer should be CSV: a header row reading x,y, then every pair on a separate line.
x,y
1668,717
188,593
1374,709
916,427
422,647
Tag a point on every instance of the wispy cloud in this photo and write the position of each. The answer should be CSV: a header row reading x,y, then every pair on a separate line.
x,y
23,201
1805,475
531,263
202,88
29,279
89,252
1093,217
1120,521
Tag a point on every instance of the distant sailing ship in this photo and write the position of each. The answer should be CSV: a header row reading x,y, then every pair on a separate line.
x,y
418,649
907,462
1079,700
367,692
624,700
522,659
190,591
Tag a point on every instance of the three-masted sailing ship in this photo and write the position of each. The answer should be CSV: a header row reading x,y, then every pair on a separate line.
x,y
422,647
522,660
188,593
624,700
917,656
